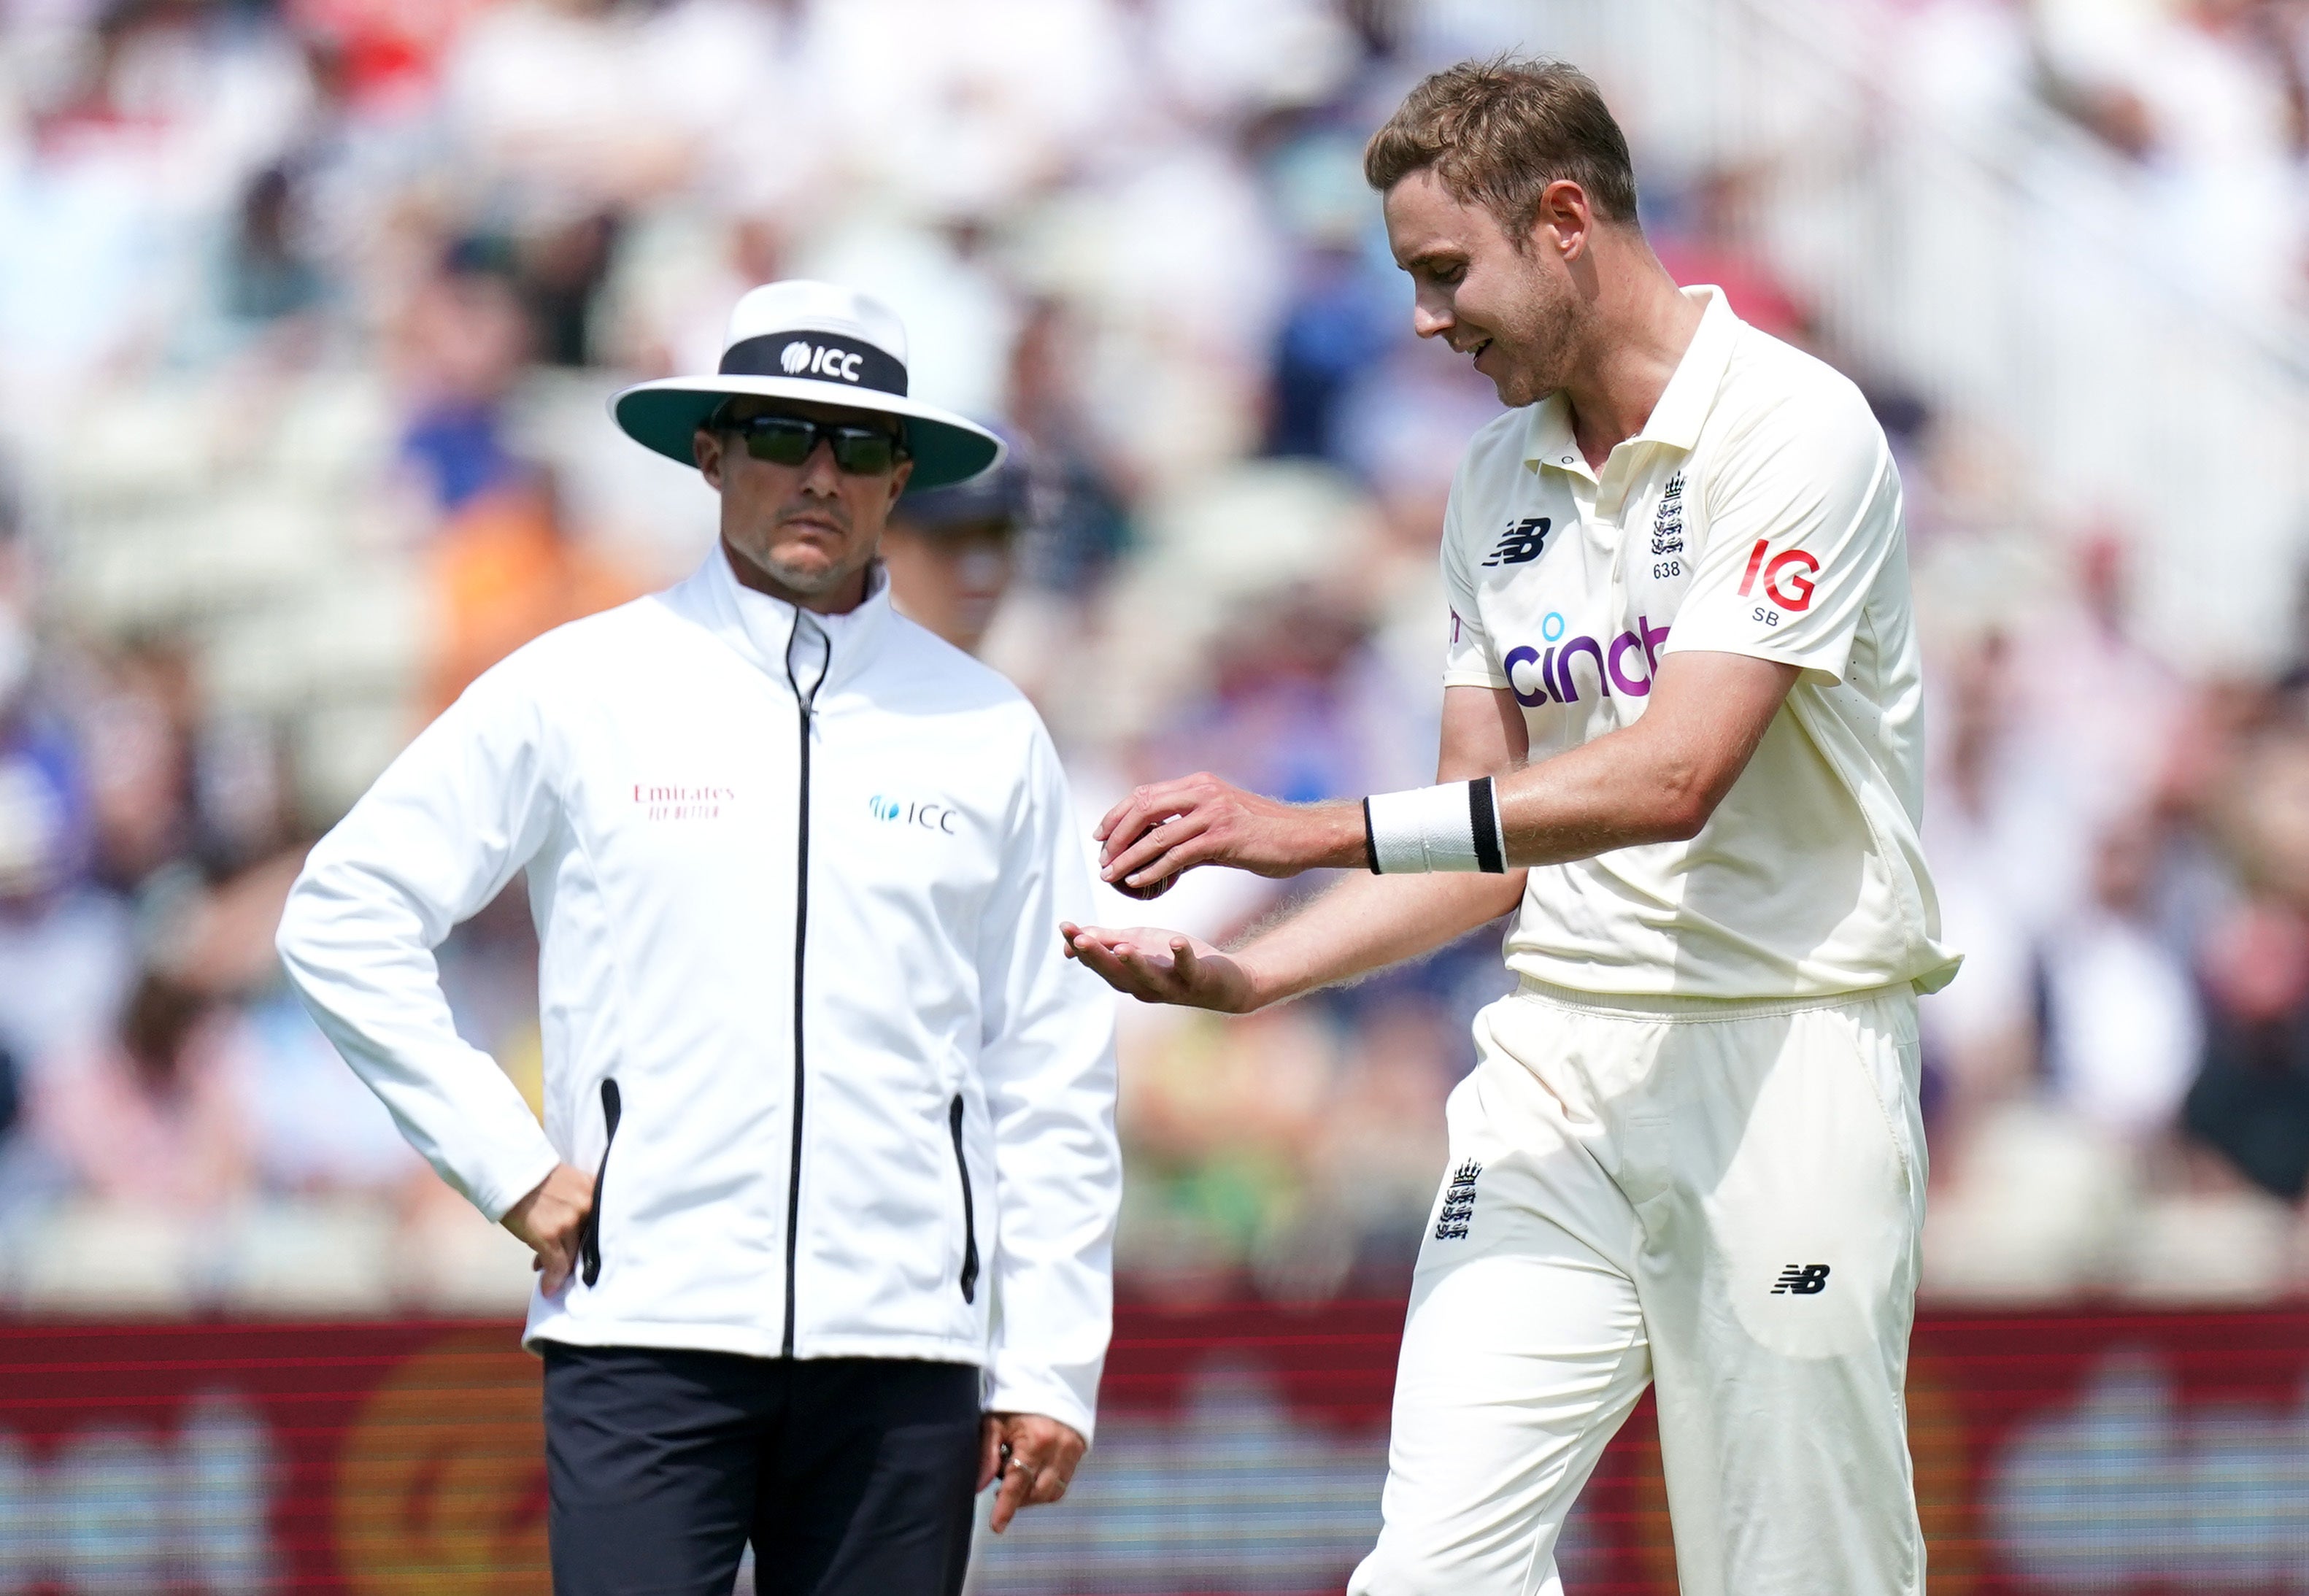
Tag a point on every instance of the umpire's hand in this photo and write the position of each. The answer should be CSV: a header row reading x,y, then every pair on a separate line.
x,y
1034,1457
551,1221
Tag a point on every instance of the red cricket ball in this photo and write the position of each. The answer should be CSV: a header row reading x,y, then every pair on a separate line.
x,y
1148,893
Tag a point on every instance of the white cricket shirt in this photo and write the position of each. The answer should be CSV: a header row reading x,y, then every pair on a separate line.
x,y
1757,513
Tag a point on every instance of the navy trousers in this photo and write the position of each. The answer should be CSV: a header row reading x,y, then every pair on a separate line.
x,y
848,1476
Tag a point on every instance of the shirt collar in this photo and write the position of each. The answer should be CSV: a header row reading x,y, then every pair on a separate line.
x,y
1691,393
1683,404
763,628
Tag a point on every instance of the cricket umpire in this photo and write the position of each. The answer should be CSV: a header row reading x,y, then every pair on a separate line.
x,y
823,1199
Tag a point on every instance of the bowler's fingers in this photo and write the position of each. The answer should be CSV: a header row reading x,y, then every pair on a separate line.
x,y
1157,853
1201,845
1120,965
1113,819
1080,939
1186,964
1148,805
1099,959
1123,936
1155,966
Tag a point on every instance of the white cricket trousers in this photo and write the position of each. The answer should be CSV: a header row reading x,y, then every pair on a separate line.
x,y
1723,1199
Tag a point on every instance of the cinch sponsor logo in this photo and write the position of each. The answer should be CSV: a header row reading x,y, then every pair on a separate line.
x,y
818,360
930,818
1608,668
682,803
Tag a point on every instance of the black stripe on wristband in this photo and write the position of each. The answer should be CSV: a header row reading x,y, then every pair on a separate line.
x,y
1484,818
1370,839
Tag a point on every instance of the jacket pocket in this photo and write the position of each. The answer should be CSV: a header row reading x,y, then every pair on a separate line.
x,y
589,1245
969,1212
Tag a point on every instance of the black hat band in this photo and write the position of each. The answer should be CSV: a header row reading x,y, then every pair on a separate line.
x,y
819,357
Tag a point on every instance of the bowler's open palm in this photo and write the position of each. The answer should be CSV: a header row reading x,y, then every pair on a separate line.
x,y
1158,966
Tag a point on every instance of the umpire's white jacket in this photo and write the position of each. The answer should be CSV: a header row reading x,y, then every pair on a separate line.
x,y
797,881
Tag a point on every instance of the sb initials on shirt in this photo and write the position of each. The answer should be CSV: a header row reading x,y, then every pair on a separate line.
x,y
1788,580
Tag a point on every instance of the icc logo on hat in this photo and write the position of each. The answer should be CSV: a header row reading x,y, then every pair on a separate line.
x,y
826,360
801,340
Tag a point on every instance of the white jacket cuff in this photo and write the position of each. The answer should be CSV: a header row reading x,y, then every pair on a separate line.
x,y
495,1197
1016,1387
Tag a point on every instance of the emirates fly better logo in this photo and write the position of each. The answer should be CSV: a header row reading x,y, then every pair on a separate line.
x,y
682,802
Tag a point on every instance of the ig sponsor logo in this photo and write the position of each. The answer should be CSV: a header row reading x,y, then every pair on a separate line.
x,y
1787,575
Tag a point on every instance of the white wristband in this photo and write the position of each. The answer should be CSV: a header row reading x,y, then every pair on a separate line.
x,y
1452,827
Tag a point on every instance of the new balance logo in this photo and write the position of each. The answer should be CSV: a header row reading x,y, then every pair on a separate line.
x,y
1802,1280
1458,1203
1522,542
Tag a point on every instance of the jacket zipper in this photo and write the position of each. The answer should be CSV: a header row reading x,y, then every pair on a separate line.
x,y
804,702
589,1245
969,1212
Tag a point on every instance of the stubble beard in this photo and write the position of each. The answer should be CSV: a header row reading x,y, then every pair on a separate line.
x,y
1554,328
810,580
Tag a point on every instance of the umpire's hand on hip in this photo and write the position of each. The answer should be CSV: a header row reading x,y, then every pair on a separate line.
x,y
1034,1457
551,1221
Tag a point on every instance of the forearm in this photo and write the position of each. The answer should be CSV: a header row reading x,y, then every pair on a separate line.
x,y
1656,780
1366,923
1617,791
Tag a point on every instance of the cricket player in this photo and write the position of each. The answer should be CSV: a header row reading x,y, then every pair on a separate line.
x,y
1682,739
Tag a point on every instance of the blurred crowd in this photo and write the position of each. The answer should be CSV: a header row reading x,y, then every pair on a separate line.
x,y
308,311
2205,101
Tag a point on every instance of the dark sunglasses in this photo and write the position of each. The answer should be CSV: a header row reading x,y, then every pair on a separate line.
x,y
790,440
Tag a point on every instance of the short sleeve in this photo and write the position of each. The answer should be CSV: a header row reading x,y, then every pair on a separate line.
x,y
1801,517
1469,659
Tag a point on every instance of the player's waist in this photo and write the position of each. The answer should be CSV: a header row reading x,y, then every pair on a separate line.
x,y
1638,1006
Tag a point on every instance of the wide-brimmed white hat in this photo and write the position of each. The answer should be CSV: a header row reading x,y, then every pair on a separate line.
x,y
817,341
